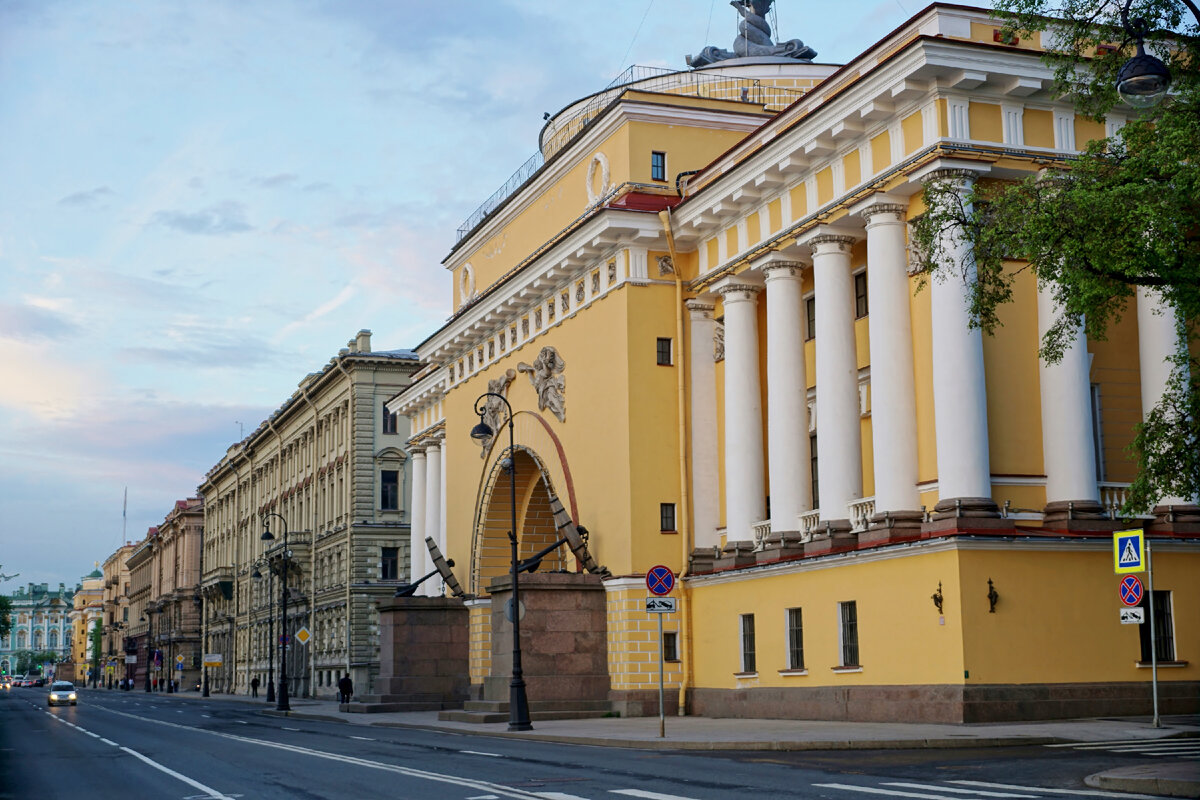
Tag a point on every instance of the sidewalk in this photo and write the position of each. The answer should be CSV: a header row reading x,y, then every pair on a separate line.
x,y
1175,778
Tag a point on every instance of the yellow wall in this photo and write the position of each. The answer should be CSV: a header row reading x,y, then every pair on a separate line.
x,y
901,641
1115,368
1038,127
1049,599
986,122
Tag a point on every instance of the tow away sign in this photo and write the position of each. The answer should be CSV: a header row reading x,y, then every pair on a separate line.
x,y
1129,552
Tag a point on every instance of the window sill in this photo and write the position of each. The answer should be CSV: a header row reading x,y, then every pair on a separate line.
x,y
753,674
789,672
848,668
1162,664
669,533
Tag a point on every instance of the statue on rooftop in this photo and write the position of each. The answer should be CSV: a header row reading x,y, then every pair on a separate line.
x,y
754,39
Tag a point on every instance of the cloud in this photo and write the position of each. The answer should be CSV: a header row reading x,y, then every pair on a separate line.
x,y
217,220
192,341
348,291
30,322
87,198
277,181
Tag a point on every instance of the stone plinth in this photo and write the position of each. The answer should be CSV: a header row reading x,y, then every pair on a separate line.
x,y
564,641
423,666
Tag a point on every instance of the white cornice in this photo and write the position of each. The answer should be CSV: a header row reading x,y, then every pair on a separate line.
x,y
421,394
577,251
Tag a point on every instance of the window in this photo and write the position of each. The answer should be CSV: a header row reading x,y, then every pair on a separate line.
x,y
666,517
670,646
748,661
389,490
125,615
860,295
795,639
1164,628
389,420
1097,433
389,563
848,632
664,352
810,318
812,465
658,166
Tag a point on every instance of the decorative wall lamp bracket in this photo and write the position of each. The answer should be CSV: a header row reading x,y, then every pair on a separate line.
x,y
937,597
993,597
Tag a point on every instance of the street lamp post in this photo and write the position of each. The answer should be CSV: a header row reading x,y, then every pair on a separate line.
x,y
270,631
149,617
518,702
282,694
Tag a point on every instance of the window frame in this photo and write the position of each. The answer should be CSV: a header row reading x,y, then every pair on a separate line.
x,y
658,165
671,653
848,642
666,516
814,472
810,317
1164,622
794,621
664,351
391,422
384,560
383,490
749,655
862,302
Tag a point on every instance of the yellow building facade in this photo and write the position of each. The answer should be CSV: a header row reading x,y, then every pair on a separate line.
x,y
702,311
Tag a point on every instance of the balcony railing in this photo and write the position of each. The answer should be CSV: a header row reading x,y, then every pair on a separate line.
x,y
762,532
861,512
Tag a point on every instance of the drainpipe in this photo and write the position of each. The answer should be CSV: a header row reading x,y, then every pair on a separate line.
x,y
685,520
350,520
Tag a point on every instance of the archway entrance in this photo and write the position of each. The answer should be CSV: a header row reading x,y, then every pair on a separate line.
x,y
491,550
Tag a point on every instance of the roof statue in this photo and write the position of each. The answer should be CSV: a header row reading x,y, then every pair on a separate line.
x,y
754,39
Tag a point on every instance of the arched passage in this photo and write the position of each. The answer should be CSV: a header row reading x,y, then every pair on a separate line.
x,y
491,550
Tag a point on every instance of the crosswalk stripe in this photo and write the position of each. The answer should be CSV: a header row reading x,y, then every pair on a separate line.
x,y
890,792
1117,741
648,795
979,792
1044,790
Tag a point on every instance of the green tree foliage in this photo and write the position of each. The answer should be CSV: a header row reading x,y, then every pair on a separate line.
x,y
97,643
5,616
1123,214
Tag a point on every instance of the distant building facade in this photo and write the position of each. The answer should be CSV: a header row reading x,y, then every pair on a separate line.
x,y
116,630
330,464
41,623
87,610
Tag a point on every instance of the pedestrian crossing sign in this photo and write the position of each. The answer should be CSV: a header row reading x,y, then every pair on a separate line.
x,y
1129,552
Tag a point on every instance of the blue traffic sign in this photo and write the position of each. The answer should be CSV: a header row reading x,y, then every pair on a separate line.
x,y
1131,590
660,580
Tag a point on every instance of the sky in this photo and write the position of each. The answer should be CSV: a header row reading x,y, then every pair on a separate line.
x,y
201,202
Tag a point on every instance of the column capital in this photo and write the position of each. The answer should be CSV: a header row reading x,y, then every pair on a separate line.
x,y
951,169
417,453
699,309
830,243
884,214
739,292
780,269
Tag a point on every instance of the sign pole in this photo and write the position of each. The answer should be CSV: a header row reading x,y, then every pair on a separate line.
x,y
1153,636
663,723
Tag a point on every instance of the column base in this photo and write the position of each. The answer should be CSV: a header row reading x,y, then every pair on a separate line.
x,y
1181,519
966,512
835,536
785,544
893,526
1077,515
702,559
736,554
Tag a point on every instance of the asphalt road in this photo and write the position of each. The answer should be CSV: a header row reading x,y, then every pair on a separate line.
x,y
136,745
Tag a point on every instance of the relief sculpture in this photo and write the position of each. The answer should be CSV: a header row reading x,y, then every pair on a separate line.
x,y
494,410
545,373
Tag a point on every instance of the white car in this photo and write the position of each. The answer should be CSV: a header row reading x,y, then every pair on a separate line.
x,y
61,694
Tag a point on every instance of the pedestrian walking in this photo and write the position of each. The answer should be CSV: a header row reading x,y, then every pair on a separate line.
x,y
254,686
345,689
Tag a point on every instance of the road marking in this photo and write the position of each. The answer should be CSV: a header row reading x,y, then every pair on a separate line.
x,y
559,796
957,791
485,797
1044,790
890,792
213,793
477,753
109,741
648,795
206,716
369,739
291,729
1132,743
242,722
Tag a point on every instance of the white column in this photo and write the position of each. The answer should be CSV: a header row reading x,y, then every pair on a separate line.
x,y
894,410
1158,341
787,408
703,424
417,549
959,387
433,508
745,490
839,437
441,534
1068,448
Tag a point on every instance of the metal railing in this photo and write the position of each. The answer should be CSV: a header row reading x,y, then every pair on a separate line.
x,y
559,132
